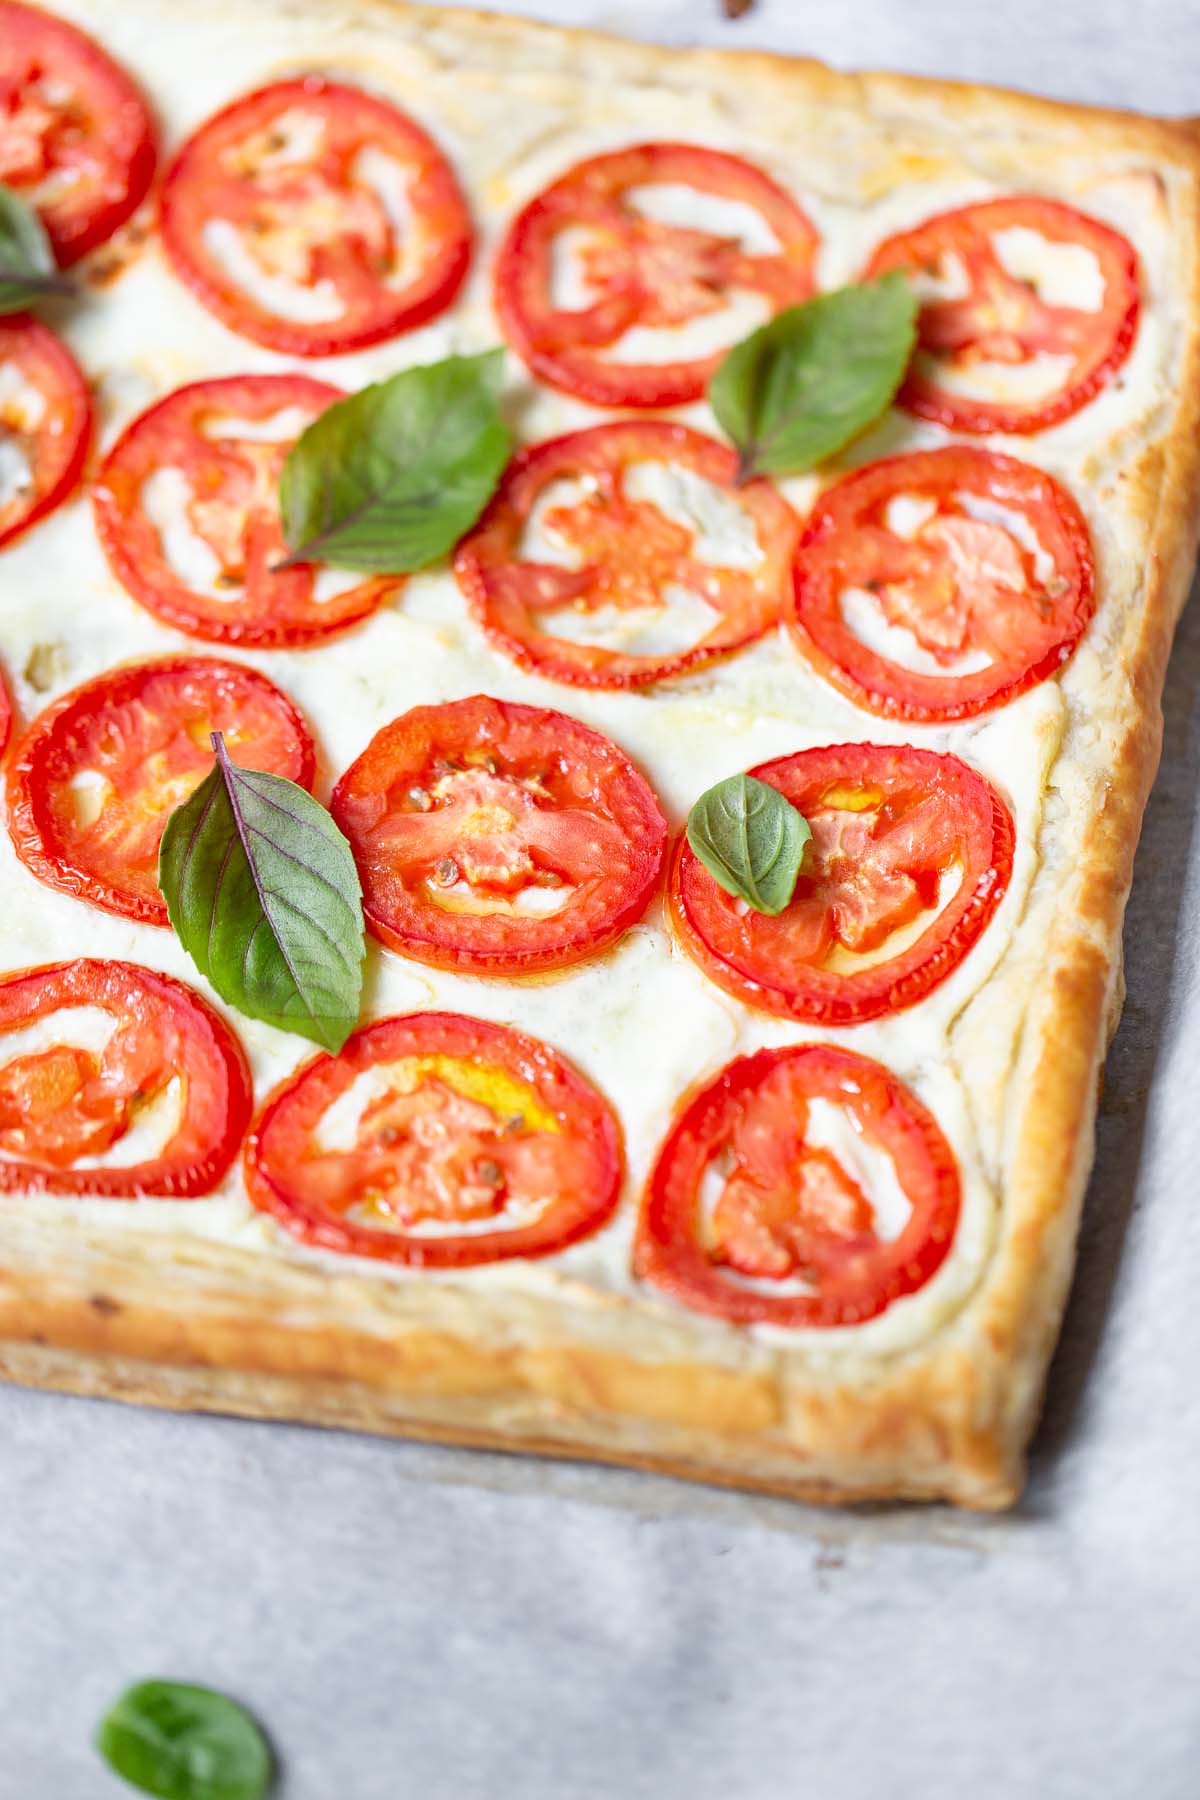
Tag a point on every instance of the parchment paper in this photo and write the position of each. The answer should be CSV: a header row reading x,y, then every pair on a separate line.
x,y
452,1626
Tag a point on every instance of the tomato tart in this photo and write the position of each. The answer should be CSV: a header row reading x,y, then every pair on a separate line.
x,y
752,1159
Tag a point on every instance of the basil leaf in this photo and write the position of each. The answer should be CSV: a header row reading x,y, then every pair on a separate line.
x,y
27,268
389,479
814,376
751,840
185,1743
264,896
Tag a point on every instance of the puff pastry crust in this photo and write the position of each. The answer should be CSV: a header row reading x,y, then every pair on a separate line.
x,y
175,1317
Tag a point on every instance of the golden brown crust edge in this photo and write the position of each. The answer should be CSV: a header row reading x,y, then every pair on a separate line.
x,y
1068,1039
700,1423
232,1393
946,1421
1067,1036
874,90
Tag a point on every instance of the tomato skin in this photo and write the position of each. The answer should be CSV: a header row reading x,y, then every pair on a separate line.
x,y
71,728
668,1252
561,347
277,1151
60,440
748,956
201,1050
33,42
277,608
373,311
852,509
507,595
6,716
587,779
968,229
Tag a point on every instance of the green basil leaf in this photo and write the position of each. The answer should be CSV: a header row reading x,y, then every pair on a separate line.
x,y
389,479
751,840
185,1743
27,268
814,376
264,896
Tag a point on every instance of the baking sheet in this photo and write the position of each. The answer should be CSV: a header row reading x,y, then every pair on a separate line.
x,y
456,1626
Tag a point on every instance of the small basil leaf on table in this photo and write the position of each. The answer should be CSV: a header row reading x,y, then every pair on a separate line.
x,y
751,840
815,376
389,479
263,894
185,1743
27,269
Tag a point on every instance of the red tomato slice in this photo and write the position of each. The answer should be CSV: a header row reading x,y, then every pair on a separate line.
x,y
99,772
70,1098
5,716
281,215
994,316
640,271
499,838
45,424
787,1209
454,1142
867,931
76,139
624,558
983,563
209,441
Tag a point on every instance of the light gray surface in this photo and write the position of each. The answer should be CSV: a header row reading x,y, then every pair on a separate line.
x,y
450,1626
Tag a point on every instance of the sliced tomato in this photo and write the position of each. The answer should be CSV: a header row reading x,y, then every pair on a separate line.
x,y
45,424
315,219
621,560
74,1087
983,312
498,838
911,854
755,1212
943,583
76,140
438,1141
100,771
640,270
202,466
5,716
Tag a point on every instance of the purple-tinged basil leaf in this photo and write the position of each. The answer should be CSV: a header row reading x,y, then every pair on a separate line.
x,y
264,896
